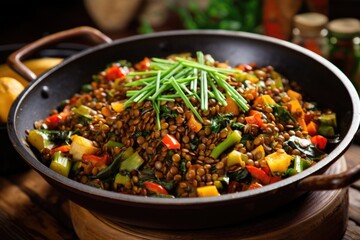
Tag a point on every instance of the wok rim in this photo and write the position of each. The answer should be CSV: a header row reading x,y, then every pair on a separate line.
x,y
21,146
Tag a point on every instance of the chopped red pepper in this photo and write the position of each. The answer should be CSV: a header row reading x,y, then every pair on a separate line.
x,y
62,148
255,185
53,120
96,161
261,175
115,72
319,141
143,65
255,118
155,188
170,142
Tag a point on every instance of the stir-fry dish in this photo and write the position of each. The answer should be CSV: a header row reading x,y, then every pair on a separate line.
x,y
184,126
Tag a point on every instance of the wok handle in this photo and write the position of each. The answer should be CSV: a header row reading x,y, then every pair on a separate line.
x,y
330,182
15,59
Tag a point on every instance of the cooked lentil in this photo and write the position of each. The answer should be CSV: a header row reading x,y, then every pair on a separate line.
x,y
181,170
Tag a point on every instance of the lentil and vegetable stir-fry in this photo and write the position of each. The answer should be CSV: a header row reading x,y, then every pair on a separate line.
x,y
184,126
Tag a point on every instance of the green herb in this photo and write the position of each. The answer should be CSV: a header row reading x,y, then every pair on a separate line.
x,y
179,78
220,122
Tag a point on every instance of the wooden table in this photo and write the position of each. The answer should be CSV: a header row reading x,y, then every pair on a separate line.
x,y
31,209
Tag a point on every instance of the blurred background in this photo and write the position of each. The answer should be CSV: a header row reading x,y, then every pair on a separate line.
x,y
25,21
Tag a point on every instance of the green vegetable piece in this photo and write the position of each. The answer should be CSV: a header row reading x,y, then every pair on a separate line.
x,y
328,119
326,130
86,88
278,79
84,111
230,141
120,180
111,169
132,163
127,153
39,139
60,164
112,144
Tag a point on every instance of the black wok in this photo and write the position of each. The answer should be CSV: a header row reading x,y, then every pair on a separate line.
x,y
319,79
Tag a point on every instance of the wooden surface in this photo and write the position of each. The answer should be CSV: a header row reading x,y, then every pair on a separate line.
x,y
31,209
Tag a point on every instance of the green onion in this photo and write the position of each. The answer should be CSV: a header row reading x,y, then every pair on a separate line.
x,y
185,99
179,78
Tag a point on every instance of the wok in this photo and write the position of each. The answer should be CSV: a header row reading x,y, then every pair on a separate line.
x,y
319,79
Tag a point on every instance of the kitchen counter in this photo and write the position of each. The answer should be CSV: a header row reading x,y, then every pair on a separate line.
x,y
31,209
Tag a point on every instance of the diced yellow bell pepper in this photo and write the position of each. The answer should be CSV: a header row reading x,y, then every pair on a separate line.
x,y
296,107
264,100
118,106
278,161
207,191
294,95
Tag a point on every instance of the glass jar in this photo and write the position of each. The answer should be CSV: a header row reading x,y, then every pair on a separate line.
x,y
310,32
344,47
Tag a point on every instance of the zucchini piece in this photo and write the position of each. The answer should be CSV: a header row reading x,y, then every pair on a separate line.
x,y
60,164
328,119
39,140
326,130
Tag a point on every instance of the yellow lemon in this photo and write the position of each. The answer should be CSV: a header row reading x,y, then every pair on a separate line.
x,y
10,88
38,66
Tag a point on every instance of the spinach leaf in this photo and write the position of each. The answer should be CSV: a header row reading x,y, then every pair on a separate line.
x,y
307,148
282,114
220,121
240,176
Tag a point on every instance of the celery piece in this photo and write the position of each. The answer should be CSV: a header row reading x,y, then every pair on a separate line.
x,y
127,153
131,163
84,111
231,140
120,180
60,164
39,140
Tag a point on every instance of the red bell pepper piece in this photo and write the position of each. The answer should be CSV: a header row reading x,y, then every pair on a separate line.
x,y
260,174
96,161
255,185
53,120
155,188
170,142
62,148
143,65
255,118
319,141
115,72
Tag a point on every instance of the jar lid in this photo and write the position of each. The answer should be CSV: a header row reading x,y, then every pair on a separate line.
x,y
310,22
344,26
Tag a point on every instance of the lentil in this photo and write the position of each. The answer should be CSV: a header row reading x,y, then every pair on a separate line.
x,y
190,165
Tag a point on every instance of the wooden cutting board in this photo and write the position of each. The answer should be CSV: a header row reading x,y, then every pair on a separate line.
x,y
316,215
